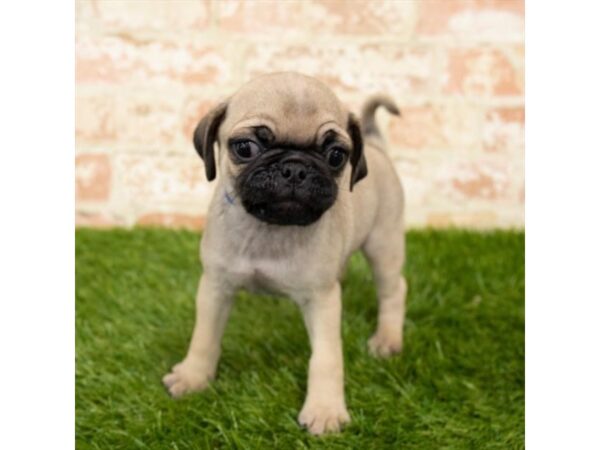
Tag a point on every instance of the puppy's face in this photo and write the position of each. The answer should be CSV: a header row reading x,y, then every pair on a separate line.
x,y
287,145
287,181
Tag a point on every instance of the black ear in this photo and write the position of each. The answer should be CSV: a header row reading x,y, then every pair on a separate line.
x,y
357,157
205,136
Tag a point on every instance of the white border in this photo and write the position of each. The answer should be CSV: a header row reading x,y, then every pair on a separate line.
x,y
37,223
563,225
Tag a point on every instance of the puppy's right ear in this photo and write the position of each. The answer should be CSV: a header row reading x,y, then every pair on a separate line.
x,y
357,157
205,135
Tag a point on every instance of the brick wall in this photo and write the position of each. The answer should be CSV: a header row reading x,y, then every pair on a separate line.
x,y
146,71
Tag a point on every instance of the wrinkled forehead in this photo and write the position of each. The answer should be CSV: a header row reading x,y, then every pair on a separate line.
x,y
294,111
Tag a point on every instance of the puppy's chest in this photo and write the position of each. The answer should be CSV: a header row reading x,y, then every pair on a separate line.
x,y
278,260
263,274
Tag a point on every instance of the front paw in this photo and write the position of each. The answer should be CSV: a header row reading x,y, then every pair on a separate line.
x,y
385,343
186,377
320,418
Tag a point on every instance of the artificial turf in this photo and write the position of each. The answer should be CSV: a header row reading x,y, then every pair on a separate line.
x,y
459,382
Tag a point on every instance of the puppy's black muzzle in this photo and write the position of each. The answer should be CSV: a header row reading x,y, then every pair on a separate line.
x,y
287,188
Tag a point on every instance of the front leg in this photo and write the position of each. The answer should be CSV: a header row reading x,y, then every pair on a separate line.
x,y
324,409
213,303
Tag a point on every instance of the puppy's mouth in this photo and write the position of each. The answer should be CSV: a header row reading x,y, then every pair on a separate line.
x,y
289,211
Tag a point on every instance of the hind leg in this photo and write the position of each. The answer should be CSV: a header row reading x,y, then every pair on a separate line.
x,y
384,250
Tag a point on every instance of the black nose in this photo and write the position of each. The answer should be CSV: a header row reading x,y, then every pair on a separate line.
x,y
293,171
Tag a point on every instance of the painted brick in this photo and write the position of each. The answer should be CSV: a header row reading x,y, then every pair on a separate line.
x,y
148,121
436,178
295,17
143,15
490,20
483,72
436,126
96,220
92,177
474,180
373,17
150,181
126,59
247,16
172,220
148,71
477,219
522,193
394,69
94,119
504,130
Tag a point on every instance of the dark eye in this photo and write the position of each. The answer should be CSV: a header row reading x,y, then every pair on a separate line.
x,y
245,150
336,158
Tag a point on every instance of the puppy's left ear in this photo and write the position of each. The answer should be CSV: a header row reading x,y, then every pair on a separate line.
x,y
357,157
205,136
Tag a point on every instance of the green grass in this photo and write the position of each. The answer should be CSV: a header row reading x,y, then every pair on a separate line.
x,y
459,382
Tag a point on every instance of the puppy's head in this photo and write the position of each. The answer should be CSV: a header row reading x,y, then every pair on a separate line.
x,y
289,146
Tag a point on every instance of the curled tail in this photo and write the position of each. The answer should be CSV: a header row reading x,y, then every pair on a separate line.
x,y
367,119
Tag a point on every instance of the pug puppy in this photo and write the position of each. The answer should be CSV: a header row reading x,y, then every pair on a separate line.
x,y
302,184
